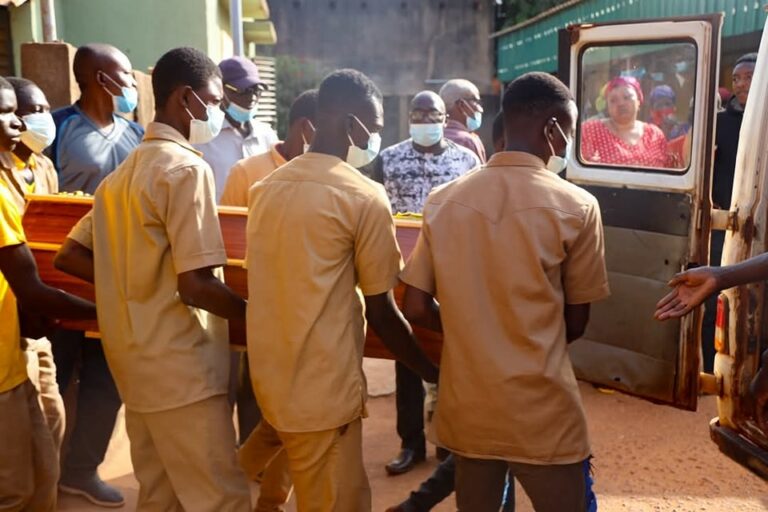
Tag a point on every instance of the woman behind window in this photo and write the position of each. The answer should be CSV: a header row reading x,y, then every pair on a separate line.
x,y
620,139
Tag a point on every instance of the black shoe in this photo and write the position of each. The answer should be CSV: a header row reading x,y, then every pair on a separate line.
x,y
441,453
405,461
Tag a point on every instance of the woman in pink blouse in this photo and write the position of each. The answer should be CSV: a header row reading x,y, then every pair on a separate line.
x,y
620,139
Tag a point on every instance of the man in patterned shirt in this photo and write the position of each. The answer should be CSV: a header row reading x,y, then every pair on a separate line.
x,y
409,171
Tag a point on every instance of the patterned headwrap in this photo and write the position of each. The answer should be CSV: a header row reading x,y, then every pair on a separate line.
x,y
625,81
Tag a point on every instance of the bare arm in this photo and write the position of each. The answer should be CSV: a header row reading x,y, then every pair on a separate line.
x,y
576,319
201,289
421,309
20,270
387,321
75,259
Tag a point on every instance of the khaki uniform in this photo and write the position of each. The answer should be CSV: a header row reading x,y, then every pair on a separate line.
x,y
504,249
29,468
153,218
320,236
40,365
276,483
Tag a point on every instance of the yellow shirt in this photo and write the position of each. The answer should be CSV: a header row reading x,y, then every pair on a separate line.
x,y
248,171
13,365
504,248
320,235
45,180
153,218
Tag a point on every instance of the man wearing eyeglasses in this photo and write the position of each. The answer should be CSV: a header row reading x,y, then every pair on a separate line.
x,y
409,171
465,114
241,134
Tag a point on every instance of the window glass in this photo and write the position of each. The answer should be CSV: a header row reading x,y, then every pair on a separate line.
x,y
636,105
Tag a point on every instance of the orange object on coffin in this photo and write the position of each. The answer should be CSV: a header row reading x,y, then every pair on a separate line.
x,y
48,219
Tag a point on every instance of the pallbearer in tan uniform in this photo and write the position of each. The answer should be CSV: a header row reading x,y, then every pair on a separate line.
x,y
321,252
514,254
153,244
275,478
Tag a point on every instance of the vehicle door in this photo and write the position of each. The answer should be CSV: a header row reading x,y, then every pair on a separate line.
x,y
652,181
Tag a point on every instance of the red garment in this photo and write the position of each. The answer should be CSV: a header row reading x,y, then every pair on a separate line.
x,y
600,145
459,134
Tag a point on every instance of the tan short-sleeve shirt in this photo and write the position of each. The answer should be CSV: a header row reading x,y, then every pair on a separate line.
x,y
320,236
504,248
153,218
246,172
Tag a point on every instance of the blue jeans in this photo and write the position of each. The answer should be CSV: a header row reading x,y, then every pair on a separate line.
x,y
97,400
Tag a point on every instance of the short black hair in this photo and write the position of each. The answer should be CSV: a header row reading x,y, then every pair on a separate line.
x,y
180,67
5,85
343,88
20,84
535,93
497,131
747,57
305,105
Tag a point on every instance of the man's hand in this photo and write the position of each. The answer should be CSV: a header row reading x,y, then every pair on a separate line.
x,y
759,391
691,289
36,326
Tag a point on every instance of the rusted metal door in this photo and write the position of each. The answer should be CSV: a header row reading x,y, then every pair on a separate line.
x,y
652,181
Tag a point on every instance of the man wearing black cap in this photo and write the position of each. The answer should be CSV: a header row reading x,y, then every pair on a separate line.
x,y
241,135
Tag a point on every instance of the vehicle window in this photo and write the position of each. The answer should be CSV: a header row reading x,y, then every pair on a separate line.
x,y
636,105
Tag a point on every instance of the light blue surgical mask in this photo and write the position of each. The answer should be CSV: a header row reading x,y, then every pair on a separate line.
x,y
426,135
474,122
40,132
202,131
127,101
556,163
357,157
240,114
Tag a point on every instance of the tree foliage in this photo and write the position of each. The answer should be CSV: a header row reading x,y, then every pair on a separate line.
x,y
292,76
518,11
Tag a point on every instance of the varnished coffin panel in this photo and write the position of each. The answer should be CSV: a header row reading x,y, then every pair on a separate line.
x,y
48,219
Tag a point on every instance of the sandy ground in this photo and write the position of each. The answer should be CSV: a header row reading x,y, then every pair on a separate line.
x,y
648,458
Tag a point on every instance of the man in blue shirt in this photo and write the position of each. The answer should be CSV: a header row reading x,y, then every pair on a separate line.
x,y
91,141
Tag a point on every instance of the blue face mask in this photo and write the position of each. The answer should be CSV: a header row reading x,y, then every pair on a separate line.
x,y
40,131
473,123
240,114
557,163
128,99
426,135
202,131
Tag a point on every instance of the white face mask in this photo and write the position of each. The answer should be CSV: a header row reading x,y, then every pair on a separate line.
x,y
40,132
357,157
202,131
556,163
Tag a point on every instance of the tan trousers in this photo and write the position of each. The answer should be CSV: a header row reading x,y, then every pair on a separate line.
x,y
42,372
327,469
553,488
184,459
29,466
263,453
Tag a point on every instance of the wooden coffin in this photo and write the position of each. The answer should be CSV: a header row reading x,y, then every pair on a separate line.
x,y
48,219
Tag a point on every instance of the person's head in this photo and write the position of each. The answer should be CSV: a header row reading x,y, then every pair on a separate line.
x,y
539,116
497,133
33,108
105,75
242,88
623,97
427,118
663,103
350,116
10,125
188,93
742,76
462,102
301,123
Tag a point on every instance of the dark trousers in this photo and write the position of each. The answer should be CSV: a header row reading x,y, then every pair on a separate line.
x,y
409,398
441,484
248,412
480,485
97,400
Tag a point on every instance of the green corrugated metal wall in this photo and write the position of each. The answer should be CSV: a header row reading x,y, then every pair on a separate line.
x,y
534,47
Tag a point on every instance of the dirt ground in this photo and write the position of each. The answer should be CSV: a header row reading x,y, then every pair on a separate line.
x,y
648,458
